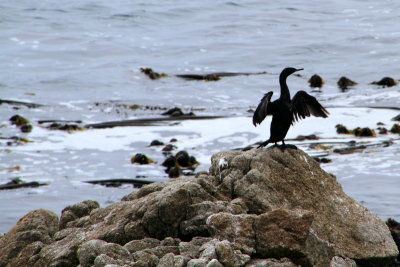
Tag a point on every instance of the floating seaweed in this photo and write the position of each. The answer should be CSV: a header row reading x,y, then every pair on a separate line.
x,y
16,183
152,74
20,103
118,182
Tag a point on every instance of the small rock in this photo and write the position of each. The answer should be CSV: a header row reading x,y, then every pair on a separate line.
x,y
141,159
215,263
397,118
343,83
26,128
395,128
341,129
174,172
173,112
382,130
316,81
322,160
173,140
386,82
156,143
168,148
182,158
169,162
18,120
142,244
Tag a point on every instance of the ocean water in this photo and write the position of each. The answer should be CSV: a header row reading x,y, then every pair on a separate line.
x,y
81,60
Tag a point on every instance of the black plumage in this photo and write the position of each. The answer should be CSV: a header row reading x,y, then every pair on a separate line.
x,y
286,111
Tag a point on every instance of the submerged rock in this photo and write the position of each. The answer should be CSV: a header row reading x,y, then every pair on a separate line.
x,y
18,120
264,207
364,132
341,129
360,132
396,118
156,143
22,123
316,81
344,83
386,82
141,159
395,128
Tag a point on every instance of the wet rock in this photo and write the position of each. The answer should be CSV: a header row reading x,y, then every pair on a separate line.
x,y
341,129
322,160
395,128
22,123
176,112
168,148
26,128
364,132
18,120
396,118
156,143
344,83
386,82
152,74
169,162
174,172
141,159
382,130
173,140
173,112
316,81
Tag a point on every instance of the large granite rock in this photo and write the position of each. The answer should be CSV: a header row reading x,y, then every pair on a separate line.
x,y
255,208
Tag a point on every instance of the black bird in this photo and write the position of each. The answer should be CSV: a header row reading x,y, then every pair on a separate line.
x,y
286,111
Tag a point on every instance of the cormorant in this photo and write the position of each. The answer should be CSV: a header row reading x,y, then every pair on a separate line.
x,y
286,111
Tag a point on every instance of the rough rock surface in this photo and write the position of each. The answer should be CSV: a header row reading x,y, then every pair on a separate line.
x,y
255,208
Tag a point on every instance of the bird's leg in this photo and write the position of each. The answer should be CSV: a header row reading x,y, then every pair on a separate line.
x,y
263,144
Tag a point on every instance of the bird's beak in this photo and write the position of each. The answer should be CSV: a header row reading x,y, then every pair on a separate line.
x,y
299,69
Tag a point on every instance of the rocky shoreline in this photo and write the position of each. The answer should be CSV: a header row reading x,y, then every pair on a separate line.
x,y
268,207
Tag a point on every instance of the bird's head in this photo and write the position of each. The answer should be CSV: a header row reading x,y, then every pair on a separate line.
x,y
288,71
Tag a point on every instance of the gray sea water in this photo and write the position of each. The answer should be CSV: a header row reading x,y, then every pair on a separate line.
x,y
82,60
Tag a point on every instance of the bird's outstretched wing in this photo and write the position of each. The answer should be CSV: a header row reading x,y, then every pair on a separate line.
x,y
263,109
305,105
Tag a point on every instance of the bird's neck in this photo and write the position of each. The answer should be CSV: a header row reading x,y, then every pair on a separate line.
x,y
285,94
